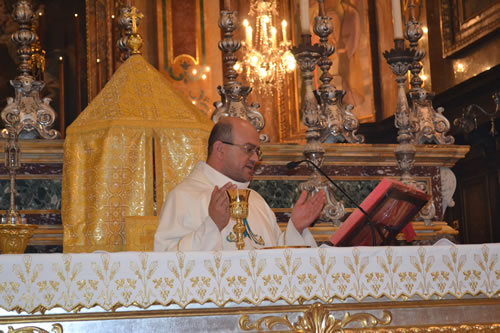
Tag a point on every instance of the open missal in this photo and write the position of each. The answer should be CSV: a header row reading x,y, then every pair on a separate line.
x,y
390,206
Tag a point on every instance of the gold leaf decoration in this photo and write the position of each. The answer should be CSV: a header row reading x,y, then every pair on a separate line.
x,y
316,320
269,321
459,328
56,328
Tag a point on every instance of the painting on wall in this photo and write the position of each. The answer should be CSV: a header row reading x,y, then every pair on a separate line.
x,y
464,22
187,52
184,60
352,63
352,60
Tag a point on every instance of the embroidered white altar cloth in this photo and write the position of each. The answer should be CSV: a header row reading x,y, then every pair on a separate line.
x,y
37,282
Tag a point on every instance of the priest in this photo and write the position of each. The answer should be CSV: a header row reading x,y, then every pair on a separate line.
x,y
195,215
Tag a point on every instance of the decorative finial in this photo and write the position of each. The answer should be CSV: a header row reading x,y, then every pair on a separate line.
x,y
134,41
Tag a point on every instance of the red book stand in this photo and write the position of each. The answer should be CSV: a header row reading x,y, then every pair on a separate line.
x,y
390,207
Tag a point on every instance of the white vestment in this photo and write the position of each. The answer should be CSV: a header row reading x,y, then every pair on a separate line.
x,y
186,226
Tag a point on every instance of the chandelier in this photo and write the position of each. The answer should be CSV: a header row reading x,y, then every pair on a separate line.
x,y
266,61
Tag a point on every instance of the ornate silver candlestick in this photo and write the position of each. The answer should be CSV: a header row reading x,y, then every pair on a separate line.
x,y
432,126
341,123
399,59
307,57
25,115
233,94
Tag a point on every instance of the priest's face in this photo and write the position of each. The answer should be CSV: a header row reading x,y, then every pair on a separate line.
x,y
242,154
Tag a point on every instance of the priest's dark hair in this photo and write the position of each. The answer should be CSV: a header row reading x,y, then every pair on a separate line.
x,y
222,131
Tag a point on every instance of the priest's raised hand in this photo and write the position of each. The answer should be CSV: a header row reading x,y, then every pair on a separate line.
x,y
306,211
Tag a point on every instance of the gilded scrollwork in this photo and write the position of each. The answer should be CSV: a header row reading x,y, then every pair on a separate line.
x,y
317,319
458,328
269,321
56,328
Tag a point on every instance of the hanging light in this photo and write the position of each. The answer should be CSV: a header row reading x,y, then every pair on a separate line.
x,y
266,61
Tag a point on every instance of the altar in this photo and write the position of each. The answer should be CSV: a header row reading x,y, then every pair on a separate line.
x,y
146,125
378,289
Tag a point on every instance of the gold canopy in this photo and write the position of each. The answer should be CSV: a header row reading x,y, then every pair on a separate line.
x,y
138,126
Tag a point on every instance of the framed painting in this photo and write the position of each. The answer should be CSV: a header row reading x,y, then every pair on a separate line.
x,y
187,53
352,60
352,66
188,35
463,22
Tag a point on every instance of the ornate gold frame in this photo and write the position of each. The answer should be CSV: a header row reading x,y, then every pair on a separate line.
x,y
166,61
457,32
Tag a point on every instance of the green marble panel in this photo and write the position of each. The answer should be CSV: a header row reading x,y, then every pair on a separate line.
x,y
33,194
277,193
284,193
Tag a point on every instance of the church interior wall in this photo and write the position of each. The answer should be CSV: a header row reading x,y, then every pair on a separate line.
x,y
477,199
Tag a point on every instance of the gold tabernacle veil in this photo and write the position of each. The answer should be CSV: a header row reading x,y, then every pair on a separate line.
x,y
135,141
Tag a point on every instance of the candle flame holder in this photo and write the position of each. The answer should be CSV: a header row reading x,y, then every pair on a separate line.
x,y
238,208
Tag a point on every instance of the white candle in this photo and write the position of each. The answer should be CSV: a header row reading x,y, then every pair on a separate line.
x,y
283,27
304,16
61,96
396,16
249,32
273,36
245,24
78,67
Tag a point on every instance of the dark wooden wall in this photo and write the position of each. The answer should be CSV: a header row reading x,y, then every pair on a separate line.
x,y
477,197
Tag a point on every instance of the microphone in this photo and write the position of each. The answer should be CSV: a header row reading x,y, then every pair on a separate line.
x,y
294,164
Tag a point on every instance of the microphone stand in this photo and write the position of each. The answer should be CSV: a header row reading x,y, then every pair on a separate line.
x,y
294,164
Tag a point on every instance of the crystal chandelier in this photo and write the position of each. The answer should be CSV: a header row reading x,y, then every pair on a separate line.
x,y
266,61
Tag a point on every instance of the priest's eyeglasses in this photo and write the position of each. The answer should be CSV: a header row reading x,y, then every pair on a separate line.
x,y
247,148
